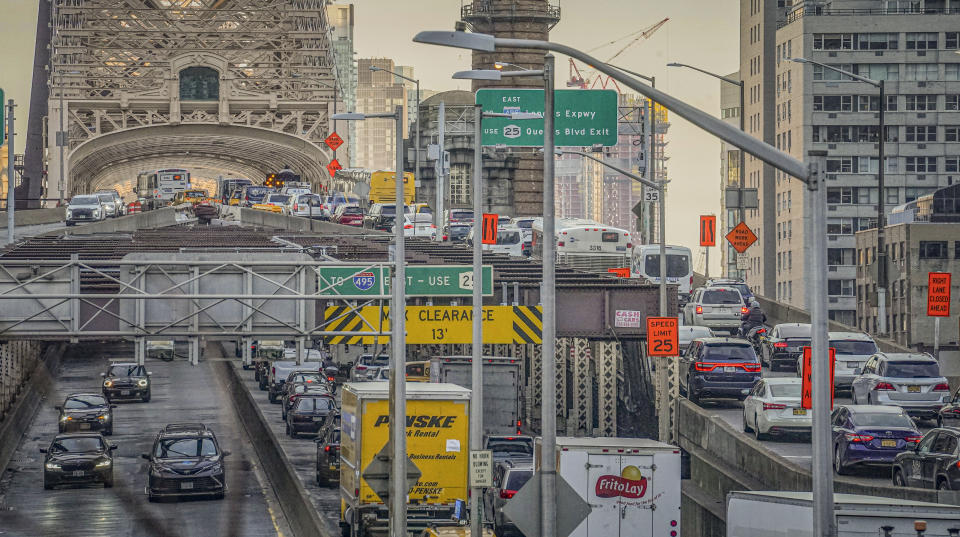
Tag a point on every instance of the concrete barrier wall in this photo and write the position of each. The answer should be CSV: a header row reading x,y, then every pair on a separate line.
x,y
34,217
252,217
297,507
163,217
40,384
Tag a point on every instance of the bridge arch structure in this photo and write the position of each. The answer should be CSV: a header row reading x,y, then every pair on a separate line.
x,y
219,87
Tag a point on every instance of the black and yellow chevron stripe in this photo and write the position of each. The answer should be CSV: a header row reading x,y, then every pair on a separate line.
x,y
527,324
342,318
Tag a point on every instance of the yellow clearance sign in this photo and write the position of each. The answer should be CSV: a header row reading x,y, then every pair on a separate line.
x,y
438,324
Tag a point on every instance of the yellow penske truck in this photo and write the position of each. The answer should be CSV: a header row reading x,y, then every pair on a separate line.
x,y
437,428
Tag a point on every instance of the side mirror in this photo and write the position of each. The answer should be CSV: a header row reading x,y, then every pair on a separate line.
x,y
149,373
103,374
58,407
145,456
43,450
225,453
113,447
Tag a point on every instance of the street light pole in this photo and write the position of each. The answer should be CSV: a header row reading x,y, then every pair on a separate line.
x,y
881,194
476,364
741,172
548,299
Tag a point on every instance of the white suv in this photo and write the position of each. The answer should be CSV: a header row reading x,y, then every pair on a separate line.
x,y
718,308
853,350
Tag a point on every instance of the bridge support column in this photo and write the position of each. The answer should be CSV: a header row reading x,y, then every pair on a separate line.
x,y
140,350
245,352
194,350
301,350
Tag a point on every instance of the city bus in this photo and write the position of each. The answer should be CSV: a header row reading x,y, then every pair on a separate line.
x,y
586,244
373,186
158,187
646,264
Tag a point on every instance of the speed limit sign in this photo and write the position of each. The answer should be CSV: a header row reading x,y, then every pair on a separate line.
x,y
663,336
651,195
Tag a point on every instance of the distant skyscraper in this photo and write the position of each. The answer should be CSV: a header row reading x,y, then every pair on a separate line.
x,y
340,19
378,92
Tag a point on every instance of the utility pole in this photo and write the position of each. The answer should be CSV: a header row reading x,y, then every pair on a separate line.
x,y
398,399
476,364
440,169
11,175
548,299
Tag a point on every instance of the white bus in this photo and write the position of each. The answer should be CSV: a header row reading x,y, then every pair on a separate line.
x,y
586,245
160,186
646,265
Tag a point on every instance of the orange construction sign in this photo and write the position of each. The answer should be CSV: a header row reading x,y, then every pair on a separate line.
x,y
938,294
489,229
708,230
741,237
663,336
806,390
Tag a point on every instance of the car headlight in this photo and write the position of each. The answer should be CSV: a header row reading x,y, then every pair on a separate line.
x,y
65,418
107,383
142,383
103,417
52,466
69,213
104,463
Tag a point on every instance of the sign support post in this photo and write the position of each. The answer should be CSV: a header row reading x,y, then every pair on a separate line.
x,y
476,369
11,174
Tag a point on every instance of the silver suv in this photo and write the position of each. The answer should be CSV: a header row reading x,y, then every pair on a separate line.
x,y
508,477
908,380
853,350
85,208
718,308
115,199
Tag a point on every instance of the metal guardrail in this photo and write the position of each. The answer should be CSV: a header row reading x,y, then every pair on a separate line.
x,y
486,8
816,11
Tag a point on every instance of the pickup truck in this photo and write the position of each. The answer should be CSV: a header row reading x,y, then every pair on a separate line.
x,y
279,369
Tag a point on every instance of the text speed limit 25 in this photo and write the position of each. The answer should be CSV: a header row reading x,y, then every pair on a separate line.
x,y
663,336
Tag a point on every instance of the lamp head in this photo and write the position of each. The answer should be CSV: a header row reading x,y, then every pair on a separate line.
x,y
458,39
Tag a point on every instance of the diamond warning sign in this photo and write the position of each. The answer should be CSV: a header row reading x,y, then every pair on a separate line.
x,y
333,141
741,237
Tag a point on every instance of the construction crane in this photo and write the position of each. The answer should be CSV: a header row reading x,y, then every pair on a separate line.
x,y
577,80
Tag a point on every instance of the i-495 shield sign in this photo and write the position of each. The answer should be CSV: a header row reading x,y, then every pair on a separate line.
x,y
353,280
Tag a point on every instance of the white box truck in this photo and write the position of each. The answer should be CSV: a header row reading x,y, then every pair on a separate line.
x,y
501,388
780,514
632,484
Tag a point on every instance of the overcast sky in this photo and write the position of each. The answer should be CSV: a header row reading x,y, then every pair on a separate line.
x,y
700,32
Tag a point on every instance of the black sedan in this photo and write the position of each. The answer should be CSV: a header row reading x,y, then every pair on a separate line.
x,y
126,381
75,458
86,412
784,344
949,415
309,413
933,464
328,456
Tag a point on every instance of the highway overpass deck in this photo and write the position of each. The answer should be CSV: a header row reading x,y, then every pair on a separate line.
x,y
180,392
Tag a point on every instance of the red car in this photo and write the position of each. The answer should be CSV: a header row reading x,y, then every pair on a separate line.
x,y
349,215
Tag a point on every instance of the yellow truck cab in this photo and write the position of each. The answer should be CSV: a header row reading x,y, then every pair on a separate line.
x,y
193,196
437,427
418,371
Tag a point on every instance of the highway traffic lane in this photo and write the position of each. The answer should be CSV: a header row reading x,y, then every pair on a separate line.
x,y
795,448
300,451
180,392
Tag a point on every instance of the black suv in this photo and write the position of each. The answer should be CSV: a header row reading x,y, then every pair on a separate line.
x,y
186,460
719,367
86,412
933,464
785,344
509,447
328,455
380,216
78,458
125,380
308,414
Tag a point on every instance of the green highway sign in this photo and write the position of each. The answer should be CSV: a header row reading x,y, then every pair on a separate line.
x,y
446,280
353,280
582,117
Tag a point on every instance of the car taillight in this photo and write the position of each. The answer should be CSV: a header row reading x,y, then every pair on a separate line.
x,y
330,379
884,386
858,438
699,309
691,281
780,345
507,494
292,397
762,331
560,243
774,406
407,226
446,238
751,368
744,310
913,439
361,368
630,245
273,370
297,207
702,366
326,448
941,387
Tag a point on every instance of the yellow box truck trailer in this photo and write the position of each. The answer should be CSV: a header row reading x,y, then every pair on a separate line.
x,y
437,427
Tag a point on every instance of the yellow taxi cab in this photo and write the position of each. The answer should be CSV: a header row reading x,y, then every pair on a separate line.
x,y
418,371
270,208
235,197
194,196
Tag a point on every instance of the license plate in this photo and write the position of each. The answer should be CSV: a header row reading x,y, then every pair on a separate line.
x,y
913,389
799,412
317,418
853,365
124,392
78,473
334,467
729,369
84,425
888,443
186,485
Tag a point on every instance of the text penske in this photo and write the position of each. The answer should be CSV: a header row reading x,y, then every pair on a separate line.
x,y
424,421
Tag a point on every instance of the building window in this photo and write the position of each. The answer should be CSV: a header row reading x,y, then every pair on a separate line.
x,y
840,226
951,133
951,102
921,103
951,71
956,250
921,133
459,184
893,195
951,164
840,287
951,40
921,71
921,41
921,164
199,84
840,256
841,195
933,250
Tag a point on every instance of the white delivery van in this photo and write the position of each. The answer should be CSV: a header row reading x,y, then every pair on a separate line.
x,y
775,514
632,484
